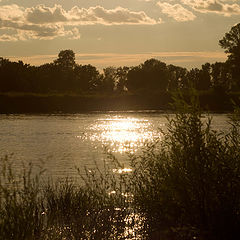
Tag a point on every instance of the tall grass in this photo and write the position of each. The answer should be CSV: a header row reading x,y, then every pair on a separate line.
x,y
188,185
20,203
184,186
33,209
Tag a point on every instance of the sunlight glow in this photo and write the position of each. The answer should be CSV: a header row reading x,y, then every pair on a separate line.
x,y
122,134
122,170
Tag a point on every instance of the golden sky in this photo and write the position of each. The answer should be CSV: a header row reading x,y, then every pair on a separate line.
x,y
117,32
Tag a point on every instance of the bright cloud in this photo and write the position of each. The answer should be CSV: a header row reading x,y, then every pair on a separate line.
x,y
42,22
11,12
42,14
92,15
224,7
176,11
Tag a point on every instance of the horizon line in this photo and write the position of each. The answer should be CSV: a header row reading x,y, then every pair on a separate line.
x,y
101,60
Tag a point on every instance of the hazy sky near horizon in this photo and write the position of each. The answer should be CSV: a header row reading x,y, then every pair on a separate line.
x,y
116,32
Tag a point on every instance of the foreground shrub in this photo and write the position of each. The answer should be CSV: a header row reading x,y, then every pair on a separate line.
x,y
187,186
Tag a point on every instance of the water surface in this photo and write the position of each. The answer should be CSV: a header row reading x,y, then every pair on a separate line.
x,y
64,142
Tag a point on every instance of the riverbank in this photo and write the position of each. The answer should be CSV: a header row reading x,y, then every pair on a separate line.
x,y
12,103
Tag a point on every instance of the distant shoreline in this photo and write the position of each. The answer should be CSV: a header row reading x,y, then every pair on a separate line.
x,y
57,104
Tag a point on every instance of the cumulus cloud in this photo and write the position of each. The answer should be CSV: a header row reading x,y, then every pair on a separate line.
x,y
28,32
224,7
25,31
11,12
92,15
176,11
42,22
8,38
42,14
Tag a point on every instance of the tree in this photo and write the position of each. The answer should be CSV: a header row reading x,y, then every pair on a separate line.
x,y
177,77
152,75
156,74
221,79
109,79
66,59
204,82
231,42
121,79
15,76
87,78
135,80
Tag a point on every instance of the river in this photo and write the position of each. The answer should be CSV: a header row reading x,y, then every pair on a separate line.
x,y
64,142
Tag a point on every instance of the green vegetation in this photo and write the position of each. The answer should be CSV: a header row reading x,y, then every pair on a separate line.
x,y
184,186
188,185
152,82
33,209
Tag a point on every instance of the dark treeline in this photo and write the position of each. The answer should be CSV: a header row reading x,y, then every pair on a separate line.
x,y
153,77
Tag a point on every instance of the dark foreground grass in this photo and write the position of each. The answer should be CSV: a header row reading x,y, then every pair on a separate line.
x,y
188,185
33,209
185,186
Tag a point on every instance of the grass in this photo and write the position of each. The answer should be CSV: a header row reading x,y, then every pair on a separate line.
x,y
185,186
188,185
32,209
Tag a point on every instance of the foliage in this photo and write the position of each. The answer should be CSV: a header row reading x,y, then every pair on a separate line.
x,y
66,59
231,42
187,186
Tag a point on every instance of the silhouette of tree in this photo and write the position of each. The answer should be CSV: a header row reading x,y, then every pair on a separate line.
x,y
152,75
65,65
87,78
109,79
15,76
66,59
221,78
135,79
177,77
49,78
231,44
192,78
204,79
121,75
156,74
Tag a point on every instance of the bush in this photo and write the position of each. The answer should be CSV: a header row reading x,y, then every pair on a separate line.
x,y
187,186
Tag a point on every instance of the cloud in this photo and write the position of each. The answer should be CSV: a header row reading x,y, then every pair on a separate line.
x,y
176,11
42,14
42,22
11,12
22,31
8,38
83,16
222,7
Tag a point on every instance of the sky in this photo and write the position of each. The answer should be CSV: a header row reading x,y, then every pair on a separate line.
x,y
116,32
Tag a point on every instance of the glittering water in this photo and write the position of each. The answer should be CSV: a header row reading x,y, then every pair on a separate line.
x,y
66,141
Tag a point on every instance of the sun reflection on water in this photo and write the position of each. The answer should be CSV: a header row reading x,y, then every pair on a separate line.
x,y
122,134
